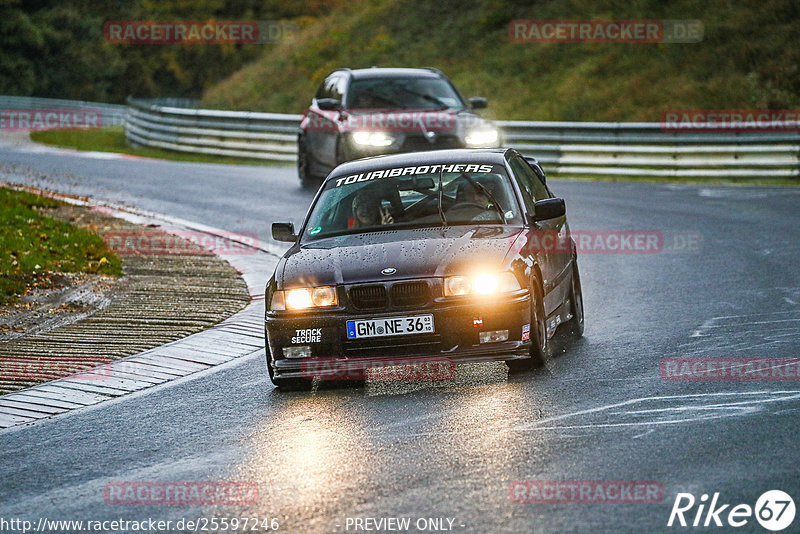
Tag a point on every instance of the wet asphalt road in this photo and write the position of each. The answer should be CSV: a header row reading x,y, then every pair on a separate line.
x,y
450,450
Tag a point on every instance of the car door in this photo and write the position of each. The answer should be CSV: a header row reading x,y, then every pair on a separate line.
x,y
322,132
548,240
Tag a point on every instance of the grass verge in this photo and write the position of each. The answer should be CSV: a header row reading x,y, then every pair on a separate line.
x,y
35,245
747,58
112,139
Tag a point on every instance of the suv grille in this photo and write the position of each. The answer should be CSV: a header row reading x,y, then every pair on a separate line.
x,y
409,294
368,297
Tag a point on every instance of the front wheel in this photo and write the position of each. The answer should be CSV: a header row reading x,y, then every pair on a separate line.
x,y
540,344
576,302
342,155
287,384
307,180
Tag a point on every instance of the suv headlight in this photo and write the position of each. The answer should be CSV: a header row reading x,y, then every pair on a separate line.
x,y
372,138
480,284
484,137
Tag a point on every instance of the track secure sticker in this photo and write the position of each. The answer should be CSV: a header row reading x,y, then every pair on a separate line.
x,y
308,335
404,171
526,332
315,230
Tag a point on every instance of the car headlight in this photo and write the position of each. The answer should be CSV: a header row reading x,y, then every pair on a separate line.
x,y
304,298
480,284
482,137
372,138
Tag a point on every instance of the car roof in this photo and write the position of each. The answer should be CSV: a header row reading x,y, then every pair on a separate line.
x,y
431,157
383,72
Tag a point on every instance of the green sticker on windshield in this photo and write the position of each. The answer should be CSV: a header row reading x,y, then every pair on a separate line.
x,y
315,230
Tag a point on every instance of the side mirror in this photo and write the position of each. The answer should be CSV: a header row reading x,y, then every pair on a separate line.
x,y
479,102
549,208
328,103
283,231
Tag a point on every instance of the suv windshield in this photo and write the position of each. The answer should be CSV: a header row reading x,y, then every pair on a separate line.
x,y
402,93
408,197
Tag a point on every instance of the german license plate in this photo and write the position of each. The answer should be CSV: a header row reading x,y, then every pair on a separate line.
x,y
390,326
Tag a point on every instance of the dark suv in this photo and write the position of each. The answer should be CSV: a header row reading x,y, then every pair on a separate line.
x,y
368,112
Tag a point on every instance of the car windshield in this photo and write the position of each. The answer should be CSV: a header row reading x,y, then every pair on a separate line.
x,y
402,93
408,197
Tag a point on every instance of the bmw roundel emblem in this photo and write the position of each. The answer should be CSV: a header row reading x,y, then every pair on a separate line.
x,y
389,270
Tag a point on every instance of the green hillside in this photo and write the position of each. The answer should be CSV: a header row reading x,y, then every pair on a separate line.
x,y
748,58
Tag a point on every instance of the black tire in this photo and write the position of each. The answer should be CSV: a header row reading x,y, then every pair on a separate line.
x,y
341,152
540,344
287,384
307,180
575,325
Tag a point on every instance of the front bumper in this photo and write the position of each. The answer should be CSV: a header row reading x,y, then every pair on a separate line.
x,y
456,338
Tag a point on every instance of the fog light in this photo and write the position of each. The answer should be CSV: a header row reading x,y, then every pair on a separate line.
x,y
304,351
493,336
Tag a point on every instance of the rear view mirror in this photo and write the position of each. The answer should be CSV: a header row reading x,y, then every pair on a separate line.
x,y
283,231
479,102
328,103
417,184
549,208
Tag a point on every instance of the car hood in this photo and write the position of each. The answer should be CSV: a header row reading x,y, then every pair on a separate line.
x,y
418,253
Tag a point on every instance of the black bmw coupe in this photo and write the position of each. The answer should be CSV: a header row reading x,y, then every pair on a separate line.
x,y
463,255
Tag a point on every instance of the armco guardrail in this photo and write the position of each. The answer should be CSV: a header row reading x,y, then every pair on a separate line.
x,y
113,114
564,148
645,149
268,136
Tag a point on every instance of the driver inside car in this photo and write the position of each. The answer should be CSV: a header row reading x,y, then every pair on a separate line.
x,y
368,211
469,197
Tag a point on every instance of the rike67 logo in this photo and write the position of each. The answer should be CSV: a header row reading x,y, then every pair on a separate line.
x,y
774,510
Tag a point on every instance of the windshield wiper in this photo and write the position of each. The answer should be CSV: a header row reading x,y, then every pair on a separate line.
x,y
429,98
482,188
441,210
